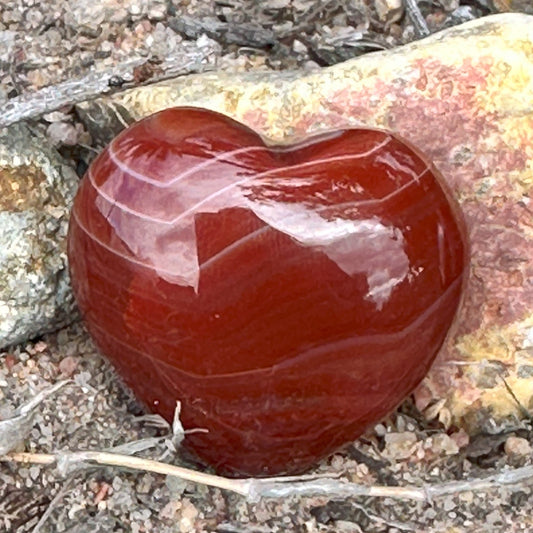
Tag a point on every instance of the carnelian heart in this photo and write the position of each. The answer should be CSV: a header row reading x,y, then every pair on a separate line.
x,y
289,296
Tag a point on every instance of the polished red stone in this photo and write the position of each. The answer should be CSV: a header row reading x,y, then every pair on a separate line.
x,y
289,297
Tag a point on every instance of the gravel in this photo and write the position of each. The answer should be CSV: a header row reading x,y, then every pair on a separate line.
x,y
94,411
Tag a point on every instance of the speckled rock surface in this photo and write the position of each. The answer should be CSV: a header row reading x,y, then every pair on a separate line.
x,y
36,190
464,96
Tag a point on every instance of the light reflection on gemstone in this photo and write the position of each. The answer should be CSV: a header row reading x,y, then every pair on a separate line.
x,y
288,297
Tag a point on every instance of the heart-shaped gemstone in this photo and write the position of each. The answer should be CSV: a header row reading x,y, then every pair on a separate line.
x,y
288,296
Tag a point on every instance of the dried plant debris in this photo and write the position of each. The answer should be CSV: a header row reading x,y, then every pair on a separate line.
x,y
15,429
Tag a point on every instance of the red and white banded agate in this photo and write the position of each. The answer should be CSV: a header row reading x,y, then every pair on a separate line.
x,y
288,297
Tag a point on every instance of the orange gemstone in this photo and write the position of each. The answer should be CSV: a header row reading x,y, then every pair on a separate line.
x,y
288,297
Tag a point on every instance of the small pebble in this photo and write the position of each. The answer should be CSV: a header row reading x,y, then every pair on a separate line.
x,y
68,366
441,443
517,447
449,5
299,47
389,11
399,446
62,133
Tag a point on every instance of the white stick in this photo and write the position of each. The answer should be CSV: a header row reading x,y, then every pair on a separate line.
x,y
254,489
96,84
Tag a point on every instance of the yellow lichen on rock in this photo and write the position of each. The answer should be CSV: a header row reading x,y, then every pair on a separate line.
x,y
36,191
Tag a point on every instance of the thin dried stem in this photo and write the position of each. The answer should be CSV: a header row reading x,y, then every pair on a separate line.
x,y
340,488
521,407
67,461
53,504
419,23
254,489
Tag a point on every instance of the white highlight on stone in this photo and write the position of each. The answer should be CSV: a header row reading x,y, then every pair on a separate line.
x,y
357,246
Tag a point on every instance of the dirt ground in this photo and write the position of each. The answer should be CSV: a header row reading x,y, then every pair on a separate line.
x,y
47,42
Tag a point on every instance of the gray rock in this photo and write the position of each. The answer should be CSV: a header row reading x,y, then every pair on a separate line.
x,y
37,189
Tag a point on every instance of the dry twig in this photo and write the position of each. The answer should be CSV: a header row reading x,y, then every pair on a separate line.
x,y
419,23
525,413
57,498
199,57
15,429
254,489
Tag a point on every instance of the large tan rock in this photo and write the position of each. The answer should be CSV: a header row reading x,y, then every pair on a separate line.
x,y
465,97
